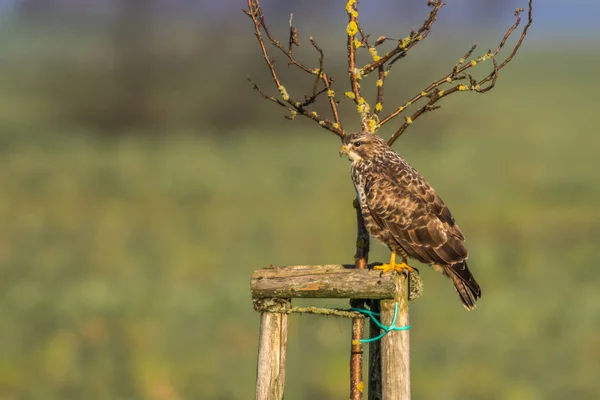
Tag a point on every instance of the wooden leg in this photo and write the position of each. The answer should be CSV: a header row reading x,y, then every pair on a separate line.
x,y
395,346
272,348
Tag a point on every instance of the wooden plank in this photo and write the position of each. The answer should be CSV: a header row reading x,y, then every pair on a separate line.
x,y
395,347
323,281
272,349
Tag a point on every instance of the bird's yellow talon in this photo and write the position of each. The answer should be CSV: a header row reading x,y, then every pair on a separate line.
x,y
392,266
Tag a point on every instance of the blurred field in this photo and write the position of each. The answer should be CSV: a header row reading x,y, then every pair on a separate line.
x,y
125,259
125,263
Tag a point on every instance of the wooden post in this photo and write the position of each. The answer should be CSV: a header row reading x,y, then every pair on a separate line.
x,y
395,346
375,356
273,287
272,348
361,260
356,360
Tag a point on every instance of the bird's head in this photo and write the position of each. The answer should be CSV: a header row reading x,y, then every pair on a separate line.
x,y
362,146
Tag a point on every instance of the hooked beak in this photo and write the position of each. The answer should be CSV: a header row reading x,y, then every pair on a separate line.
x,y
344,150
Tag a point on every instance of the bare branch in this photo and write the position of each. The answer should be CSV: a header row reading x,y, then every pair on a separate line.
x,y
321,57
380,82
451,77
458,74
493,76
370,116
352,29
255,13
408,42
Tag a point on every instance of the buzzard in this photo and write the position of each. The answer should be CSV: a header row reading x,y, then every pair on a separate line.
x,y
403,211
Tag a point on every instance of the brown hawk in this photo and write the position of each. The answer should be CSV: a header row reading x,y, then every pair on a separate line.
x,y
403,211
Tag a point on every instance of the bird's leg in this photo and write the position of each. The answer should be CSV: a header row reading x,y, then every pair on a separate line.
x,y
392,266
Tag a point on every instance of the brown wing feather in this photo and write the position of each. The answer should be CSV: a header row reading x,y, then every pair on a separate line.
x,y
402,203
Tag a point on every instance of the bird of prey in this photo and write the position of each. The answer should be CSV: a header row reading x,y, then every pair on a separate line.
x,y
403,211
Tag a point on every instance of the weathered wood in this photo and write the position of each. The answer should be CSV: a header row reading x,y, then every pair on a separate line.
x,y
395,347
361,260
272,348
323,281
357,385
389,374
374,356
363,243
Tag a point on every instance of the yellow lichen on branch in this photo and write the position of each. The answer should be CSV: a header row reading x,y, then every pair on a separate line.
x,y
352,28
355,74
351,8
286,101
457,80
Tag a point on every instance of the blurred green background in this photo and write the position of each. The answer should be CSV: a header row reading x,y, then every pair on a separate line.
x,y
142,181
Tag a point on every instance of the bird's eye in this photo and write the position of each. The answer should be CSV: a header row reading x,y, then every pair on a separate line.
x,y
357,144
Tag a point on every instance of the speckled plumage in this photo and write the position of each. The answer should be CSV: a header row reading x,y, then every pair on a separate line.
x,y
404,212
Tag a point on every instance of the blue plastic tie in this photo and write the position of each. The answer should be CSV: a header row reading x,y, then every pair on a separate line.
x,y
386,329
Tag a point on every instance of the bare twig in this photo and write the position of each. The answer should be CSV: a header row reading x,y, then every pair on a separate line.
x,y
383,72
255,13
294,35
408,42
458,73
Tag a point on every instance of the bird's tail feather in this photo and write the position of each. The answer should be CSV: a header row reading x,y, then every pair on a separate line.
x,y
468,289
